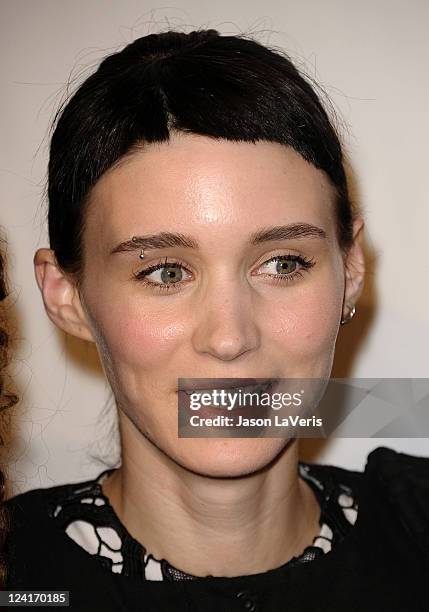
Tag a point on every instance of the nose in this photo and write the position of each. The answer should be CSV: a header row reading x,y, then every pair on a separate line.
x,y
225,322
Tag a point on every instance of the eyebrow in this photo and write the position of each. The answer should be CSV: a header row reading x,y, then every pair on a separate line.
x,y
164,240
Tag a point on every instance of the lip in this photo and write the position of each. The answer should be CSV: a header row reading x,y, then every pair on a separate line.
x,y
223,383
213,410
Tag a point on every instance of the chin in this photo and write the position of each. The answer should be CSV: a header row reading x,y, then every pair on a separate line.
x,y
227,458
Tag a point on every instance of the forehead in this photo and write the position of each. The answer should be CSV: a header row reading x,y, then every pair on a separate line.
x,y
199,180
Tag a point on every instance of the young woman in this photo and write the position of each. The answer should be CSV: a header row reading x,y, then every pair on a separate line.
x,y
200,227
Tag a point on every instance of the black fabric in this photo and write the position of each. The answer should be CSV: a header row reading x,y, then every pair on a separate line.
x,y
382,563
83,512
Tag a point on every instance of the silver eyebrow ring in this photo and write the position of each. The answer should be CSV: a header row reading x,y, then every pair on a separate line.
x,y
134,239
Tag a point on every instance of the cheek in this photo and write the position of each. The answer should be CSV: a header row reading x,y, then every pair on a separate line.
x,y
307,324
134,337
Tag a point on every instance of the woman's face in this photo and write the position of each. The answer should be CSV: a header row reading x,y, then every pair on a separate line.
x,y
226,313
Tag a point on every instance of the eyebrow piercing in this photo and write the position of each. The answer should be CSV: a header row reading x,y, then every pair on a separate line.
x,y
134,239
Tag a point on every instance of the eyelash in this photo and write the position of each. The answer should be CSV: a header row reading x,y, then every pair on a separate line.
x,y
305,264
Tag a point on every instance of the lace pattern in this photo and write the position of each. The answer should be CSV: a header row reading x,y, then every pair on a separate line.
x,y
84,513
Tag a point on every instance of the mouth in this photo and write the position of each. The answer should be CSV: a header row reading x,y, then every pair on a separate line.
x,y
259,388
207,384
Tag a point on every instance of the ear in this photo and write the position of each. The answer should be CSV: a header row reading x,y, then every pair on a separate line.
x,y
354,269
60,296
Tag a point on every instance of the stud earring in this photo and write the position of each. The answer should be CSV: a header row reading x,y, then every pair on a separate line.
x,y
349,317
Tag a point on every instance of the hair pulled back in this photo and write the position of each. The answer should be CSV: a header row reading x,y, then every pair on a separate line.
x,y
226,87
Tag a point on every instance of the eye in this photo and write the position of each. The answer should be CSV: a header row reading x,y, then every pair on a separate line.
x,y
165,275
284,268
169,275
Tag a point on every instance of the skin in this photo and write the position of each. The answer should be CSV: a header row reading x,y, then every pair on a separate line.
x,y
218,506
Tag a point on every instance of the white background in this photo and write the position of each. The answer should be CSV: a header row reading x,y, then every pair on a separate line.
x,y
372,59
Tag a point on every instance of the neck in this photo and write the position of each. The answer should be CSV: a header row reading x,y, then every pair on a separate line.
x,y
212,526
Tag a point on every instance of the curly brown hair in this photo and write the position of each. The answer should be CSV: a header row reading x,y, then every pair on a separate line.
x,y
6,400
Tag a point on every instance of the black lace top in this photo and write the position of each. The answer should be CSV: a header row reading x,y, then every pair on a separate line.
x,y
372,552
86,516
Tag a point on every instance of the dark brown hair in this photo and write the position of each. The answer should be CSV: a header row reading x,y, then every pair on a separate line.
x,y
6,401
224,87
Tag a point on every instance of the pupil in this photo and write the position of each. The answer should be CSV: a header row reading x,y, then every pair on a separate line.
x,y
168,273
282,265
